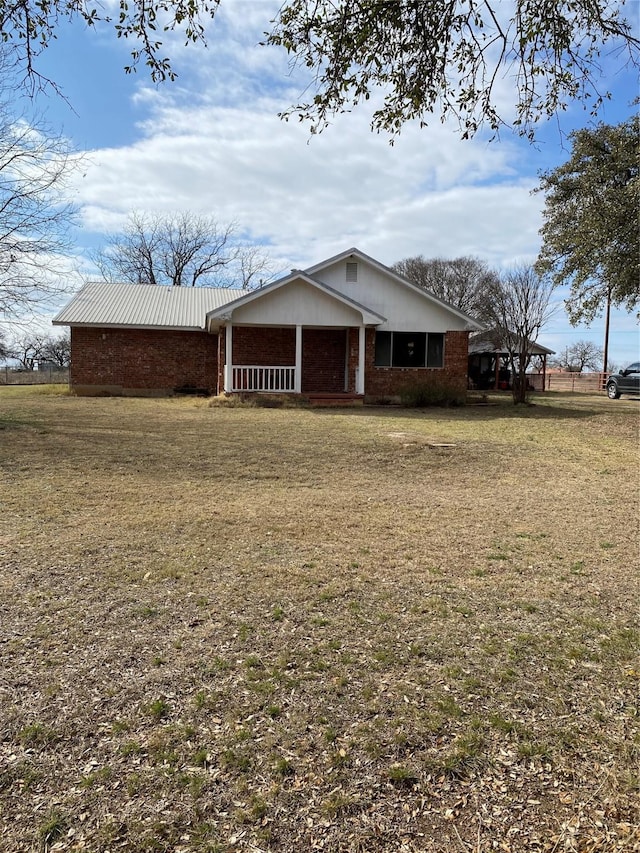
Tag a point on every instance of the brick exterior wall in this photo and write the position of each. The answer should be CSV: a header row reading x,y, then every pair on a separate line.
x,y
323,360
352,359
120,361
264,345
385,382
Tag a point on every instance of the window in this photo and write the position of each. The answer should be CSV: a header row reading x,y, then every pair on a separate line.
x,y
409,349
435,350
352,271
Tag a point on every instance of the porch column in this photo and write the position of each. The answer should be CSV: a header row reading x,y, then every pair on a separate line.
x,y
297,386
361,360
228,368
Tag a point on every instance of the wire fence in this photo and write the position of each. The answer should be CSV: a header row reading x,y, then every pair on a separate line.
x,y
48,376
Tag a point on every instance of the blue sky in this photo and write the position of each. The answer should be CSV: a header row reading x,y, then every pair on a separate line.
x,y
211,143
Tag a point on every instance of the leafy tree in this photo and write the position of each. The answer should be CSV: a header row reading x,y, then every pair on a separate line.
x,y
448,57
442,57
30,25
181,250
590,230
462,282
519,308
577,357
34,213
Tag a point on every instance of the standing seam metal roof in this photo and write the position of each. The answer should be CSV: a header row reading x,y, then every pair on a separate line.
x,y
143,305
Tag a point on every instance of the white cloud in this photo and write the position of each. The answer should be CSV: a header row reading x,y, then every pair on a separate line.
x,y
212,143
311,195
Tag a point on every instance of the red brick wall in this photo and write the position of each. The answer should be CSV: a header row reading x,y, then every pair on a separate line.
x,y
264,346
145,361
323,360
352,355
390,381
324,353
222,357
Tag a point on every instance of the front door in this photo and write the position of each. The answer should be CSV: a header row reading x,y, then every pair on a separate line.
x,y
324,359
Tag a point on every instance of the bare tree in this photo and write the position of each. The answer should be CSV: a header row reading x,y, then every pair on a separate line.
x,y
519,307
577,357
181,250
462,282
28,349
57,350
253,263
177,249
34,211
5,350
133,254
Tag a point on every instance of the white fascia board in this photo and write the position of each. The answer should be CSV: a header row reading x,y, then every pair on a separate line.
x,y
225,312
128,326
472,323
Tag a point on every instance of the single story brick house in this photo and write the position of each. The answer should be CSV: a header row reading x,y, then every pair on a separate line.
x,y
348,325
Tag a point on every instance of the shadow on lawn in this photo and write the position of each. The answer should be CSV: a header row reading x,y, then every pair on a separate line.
x,y
471,411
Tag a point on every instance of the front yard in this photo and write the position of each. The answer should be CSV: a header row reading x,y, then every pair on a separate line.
x,y
245,629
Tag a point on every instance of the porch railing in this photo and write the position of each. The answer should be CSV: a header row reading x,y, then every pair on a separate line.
x,y
261,378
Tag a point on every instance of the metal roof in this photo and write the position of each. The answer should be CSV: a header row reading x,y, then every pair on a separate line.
x,y
143,305
485,342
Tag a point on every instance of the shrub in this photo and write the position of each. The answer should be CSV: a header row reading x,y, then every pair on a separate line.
x,y
423,394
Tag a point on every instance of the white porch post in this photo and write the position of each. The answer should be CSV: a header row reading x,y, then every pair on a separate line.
x,y
297,387
361,360
228,351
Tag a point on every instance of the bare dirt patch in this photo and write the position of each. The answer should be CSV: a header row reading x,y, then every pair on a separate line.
x,y
231,629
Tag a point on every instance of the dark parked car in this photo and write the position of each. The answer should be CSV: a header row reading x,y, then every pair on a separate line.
x,y
627,381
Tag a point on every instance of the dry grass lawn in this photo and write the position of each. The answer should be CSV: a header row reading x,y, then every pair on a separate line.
x,y
247,629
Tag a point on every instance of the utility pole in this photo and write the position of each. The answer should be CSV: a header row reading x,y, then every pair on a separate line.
x,y
605,357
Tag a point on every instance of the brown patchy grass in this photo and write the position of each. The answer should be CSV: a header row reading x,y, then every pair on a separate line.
x,y
287,630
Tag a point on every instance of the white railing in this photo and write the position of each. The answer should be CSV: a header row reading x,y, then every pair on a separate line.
x,y
261,378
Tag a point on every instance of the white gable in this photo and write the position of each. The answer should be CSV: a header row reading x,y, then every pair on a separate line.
x,y
297,303
406,307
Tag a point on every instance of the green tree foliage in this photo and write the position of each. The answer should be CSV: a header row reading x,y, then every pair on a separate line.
x,y
28,26
590,230
450,57
441,57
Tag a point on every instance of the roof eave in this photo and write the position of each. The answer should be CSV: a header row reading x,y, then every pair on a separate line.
x,y
225,312
138,326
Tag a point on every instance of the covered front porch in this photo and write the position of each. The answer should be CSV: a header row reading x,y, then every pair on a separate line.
x,y
292,360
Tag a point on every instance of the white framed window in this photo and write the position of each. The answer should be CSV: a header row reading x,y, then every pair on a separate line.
x,y
352,270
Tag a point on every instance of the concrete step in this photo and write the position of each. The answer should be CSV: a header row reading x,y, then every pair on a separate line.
x,y
326,398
